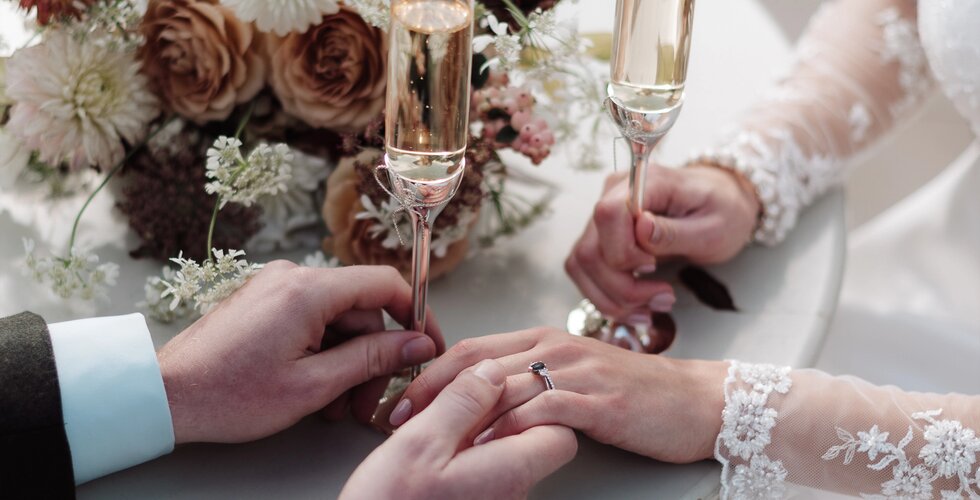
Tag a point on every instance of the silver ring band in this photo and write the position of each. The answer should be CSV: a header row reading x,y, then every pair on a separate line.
x,y
540,369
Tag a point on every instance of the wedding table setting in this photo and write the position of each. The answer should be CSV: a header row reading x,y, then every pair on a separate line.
x,y
784,297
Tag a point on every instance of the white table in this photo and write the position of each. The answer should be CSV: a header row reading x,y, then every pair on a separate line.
x,y
786,297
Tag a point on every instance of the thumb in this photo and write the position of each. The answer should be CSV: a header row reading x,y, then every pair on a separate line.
x,y
663,236
367,357
463,405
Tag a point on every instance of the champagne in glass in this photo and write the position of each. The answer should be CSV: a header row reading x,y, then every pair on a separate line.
x,y
649,67
427,118
651,44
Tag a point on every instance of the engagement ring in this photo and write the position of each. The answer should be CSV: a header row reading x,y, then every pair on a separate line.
x,y
540,369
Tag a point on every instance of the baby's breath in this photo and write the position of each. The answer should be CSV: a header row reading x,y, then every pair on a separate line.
x,y
205,285
374,12
239,180
78,275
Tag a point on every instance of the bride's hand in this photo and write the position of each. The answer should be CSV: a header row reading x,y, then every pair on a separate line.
x,y
663,408
702,214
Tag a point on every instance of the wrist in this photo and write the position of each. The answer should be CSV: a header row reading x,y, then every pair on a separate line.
x,y
705,381
178,414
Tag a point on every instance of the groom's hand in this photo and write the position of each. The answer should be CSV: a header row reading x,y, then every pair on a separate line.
x,y
292,341
434,454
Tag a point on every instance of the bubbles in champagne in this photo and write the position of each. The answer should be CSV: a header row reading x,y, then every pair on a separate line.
x,y
427,112
650,53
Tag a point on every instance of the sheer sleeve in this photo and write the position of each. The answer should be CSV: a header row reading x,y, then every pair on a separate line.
x,y
859,69
806,428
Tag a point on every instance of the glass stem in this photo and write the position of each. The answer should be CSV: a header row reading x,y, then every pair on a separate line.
x,y
422,230
640,153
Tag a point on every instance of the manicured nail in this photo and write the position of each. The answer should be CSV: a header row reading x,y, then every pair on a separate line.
x,y
401,413
639,319
491,372
646,269
484,437
657,233
663,302
417,351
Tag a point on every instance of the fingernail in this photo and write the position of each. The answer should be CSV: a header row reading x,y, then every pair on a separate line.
x,y
484,437
657,233
401,413
663,302
417,351
639,319
491,372
646,269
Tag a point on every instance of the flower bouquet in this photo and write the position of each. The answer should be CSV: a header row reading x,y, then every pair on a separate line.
x,y
223,125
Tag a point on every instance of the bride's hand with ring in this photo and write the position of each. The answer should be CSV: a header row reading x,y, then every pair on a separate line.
x,y
663,408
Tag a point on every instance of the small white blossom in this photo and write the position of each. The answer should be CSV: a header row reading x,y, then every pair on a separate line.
x,y
873,442
78,275
951,448
319,260
909,482
205,285
156,304
282,16
287,217
449,235
237,180
747,423
761,479
507,45
374,12
392,224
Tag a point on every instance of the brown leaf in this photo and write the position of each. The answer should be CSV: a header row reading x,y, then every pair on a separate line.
x,y
707,289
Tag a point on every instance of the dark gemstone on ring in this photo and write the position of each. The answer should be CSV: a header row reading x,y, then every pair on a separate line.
x,y
538,366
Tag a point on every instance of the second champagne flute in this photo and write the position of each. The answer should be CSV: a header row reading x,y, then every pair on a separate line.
x,y
427,119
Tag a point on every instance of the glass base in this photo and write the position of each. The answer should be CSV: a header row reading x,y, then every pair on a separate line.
x,y
654,338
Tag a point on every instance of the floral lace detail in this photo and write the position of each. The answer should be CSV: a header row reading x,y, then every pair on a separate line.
x,y
747,423
828,119
950,452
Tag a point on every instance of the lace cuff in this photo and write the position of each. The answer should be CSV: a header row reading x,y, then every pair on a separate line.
x,y
747,423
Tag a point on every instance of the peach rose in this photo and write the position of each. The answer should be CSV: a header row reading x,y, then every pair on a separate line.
x,y
333,75
201,59
350,240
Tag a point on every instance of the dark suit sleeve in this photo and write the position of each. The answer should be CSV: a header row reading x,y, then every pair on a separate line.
x,y
35,461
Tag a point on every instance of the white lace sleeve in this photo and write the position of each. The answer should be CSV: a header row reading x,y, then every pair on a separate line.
x,y
859,69
782,428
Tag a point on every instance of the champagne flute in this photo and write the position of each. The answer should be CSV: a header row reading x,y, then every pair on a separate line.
x,y
651,44
427,119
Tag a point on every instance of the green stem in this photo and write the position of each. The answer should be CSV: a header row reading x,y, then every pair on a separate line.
x,y
217,204
109,175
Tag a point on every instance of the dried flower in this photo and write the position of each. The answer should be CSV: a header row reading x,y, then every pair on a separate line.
x,y
55,9
78,102
332,76
282,16
205,285
201,58
237,180
79,274
163,199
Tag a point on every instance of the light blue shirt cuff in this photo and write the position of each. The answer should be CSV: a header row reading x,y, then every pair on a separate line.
x,y
112,395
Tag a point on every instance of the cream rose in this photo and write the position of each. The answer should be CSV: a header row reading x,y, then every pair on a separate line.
x,y
333,75
201,59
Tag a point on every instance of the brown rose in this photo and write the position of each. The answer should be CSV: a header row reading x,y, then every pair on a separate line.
x,y
332,76
200,57
55,9
351,242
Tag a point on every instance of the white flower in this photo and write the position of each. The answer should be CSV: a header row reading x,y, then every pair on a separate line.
x,y
766,378
762,478
873,442
282,16
376,12
747,423
156,304
78,102
909,482
205,285
287,216
80,274
951,449
14,158
238,180
449,235
507,46
319,260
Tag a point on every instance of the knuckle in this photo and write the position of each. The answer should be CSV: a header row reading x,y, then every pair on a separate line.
x,y
606,210
375,361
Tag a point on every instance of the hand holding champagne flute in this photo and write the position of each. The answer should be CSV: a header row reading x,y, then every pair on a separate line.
x,y
427,116
651,44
